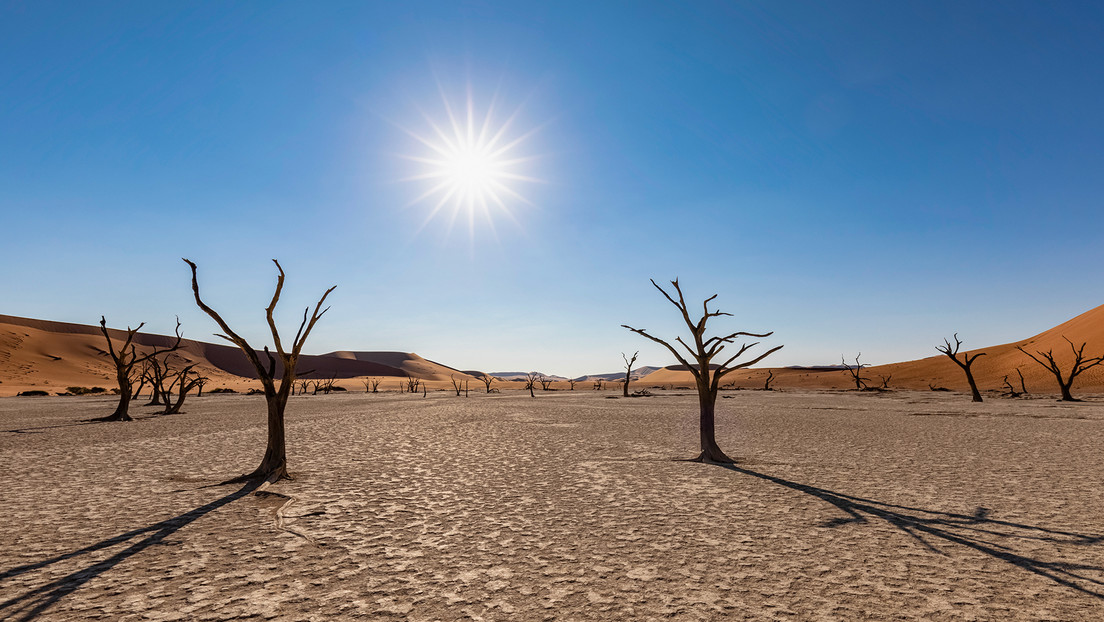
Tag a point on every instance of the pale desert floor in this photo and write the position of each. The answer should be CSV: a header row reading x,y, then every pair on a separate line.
x,y
564,507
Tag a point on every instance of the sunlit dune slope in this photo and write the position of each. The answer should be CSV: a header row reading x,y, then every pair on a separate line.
x,y
50,356
939,371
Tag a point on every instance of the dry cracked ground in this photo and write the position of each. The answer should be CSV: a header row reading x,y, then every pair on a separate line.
x,y
570,506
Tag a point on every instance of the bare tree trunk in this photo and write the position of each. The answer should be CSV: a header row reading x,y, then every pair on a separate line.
x,y
274,463
122,411
710,451
973,385
1067,396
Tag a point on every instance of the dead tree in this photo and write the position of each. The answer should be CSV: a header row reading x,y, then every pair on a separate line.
x,y
155,374
1023,387
628,371
1080,364
966,362
273,465
371,385
598,384
572,384
141,374
545,382
326,386
770,376
456,385
200,384
706,375
125,358
530,380
885,380
487,379
1011,392
185,380
856,371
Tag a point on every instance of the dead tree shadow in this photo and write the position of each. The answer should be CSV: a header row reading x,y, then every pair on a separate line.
x,y
34,602
975,531
36,429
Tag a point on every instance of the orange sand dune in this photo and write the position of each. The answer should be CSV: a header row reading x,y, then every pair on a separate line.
x,y
940,371
410,363
50,356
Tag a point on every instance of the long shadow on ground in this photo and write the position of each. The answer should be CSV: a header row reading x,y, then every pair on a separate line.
x,y
32,603
976,531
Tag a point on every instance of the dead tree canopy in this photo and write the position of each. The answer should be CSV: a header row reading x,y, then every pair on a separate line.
x,y
706,375
1081,363
125,358
273,465
855,372
965,363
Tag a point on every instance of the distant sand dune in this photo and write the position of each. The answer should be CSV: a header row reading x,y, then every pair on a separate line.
x,y
49,356
939,371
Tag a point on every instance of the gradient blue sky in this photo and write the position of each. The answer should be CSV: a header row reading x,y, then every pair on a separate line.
x,y
854,176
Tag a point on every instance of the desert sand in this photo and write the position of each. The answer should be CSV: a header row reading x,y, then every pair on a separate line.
x,y
570,506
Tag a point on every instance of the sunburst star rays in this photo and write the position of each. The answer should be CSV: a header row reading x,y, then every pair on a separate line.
x,y
472,165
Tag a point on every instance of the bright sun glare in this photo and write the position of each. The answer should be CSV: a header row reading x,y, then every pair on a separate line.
x,y
472,164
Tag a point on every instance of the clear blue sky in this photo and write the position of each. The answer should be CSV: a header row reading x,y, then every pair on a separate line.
x,y
854,176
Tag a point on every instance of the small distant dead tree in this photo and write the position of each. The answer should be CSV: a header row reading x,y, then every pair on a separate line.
x,y
487,379
545,382
571,383
273,465
966,362
371,385
855,372
628,371
125,358
1011,391
327,385
456,385
598,384
885,380
202,382
1081,363
1023,387
705,374
184,381
770,376
155,374
530,380
412,384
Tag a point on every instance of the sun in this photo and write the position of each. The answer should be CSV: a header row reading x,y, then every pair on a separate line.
x,y
472,164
